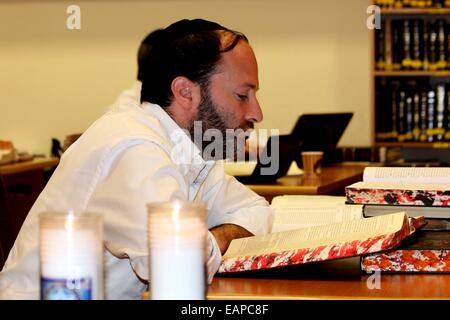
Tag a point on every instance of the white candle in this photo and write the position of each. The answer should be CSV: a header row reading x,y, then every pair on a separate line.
x,y
177,235
71,257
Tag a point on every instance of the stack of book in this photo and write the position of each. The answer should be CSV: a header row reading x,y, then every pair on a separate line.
x,y
418,192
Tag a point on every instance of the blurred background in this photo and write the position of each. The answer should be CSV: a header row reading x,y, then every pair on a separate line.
x,y
314,56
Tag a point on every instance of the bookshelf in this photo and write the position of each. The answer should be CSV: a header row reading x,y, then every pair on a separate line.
x,y
403,11
411,75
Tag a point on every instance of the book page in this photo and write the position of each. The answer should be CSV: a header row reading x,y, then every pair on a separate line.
x,y
308,216
407,175
296,212
313,237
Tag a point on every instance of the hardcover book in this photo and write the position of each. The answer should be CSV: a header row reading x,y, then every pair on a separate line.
x,y
373,210
402,186
426,251
347,235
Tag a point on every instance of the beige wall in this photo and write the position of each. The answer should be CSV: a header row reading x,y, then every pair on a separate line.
x,y
313,57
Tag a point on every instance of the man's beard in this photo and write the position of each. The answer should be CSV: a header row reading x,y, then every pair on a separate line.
x,y
209,120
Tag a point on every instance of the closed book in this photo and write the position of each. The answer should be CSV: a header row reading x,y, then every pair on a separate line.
x,y
374,210
380,46
426,48
398,194
394,109
428,186
439,132
407,43
447,116
401,119
388,45
417,45
442,44
432,45
424,252
416,116
431,115
337,231
397,43
423,116
409,110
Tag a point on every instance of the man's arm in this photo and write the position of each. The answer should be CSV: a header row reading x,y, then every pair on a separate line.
x,y
231,203
227,232
234,211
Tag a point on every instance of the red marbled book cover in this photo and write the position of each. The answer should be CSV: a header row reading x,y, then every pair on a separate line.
x,y
426,251
240,260
408,261
397,194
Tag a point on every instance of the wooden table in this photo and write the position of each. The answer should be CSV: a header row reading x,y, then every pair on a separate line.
x,y
340,279
26,166
333,180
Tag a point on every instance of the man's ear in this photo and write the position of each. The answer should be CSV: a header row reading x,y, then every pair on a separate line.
x,y
184,91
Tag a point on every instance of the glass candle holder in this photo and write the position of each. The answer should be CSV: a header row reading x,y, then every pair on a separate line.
x,y
177,234
71,256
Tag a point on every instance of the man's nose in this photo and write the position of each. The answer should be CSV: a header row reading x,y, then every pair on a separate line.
x,y
254,113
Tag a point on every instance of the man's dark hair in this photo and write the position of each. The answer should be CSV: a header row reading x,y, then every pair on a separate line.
x,y
188,48
144,51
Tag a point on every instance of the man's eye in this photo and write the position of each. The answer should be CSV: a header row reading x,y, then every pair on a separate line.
x,y
242,97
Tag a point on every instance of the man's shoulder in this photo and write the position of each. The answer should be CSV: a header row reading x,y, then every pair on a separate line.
x,y
115,132
129,123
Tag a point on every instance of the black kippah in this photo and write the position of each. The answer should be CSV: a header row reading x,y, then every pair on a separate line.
x,y
186,27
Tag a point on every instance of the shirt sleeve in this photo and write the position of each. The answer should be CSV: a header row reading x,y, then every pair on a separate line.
x,y
229,201
214,257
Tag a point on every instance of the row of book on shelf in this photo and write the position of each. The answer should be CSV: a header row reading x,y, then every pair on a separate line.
x,y
412,110
412,44
396,219
397,4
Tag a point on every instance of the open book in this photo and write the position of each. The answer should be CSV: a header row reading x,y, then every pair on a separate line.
x,y
345,234
402,186
297,212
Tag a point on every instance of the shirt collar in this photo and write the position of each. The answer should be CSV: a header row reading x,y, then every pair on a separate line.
x,y
185,152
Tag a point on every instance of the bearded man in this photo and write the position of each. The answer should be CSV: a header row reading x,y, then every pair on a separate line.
x,y
198,75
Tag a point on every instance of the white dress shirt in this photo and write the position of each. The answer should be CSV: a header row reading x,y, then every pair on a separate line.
x,y
131,156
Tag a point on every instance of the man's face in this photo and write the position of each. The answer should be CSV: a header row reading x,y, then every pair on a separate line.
x,y
229,102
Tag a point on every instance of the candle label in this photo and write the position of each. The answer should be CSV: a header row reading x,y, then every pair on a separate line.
x,y
66,289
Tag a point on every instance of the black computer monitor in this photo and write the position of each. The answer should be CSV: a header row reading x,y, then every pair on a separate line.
x,y
274,161
320,132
